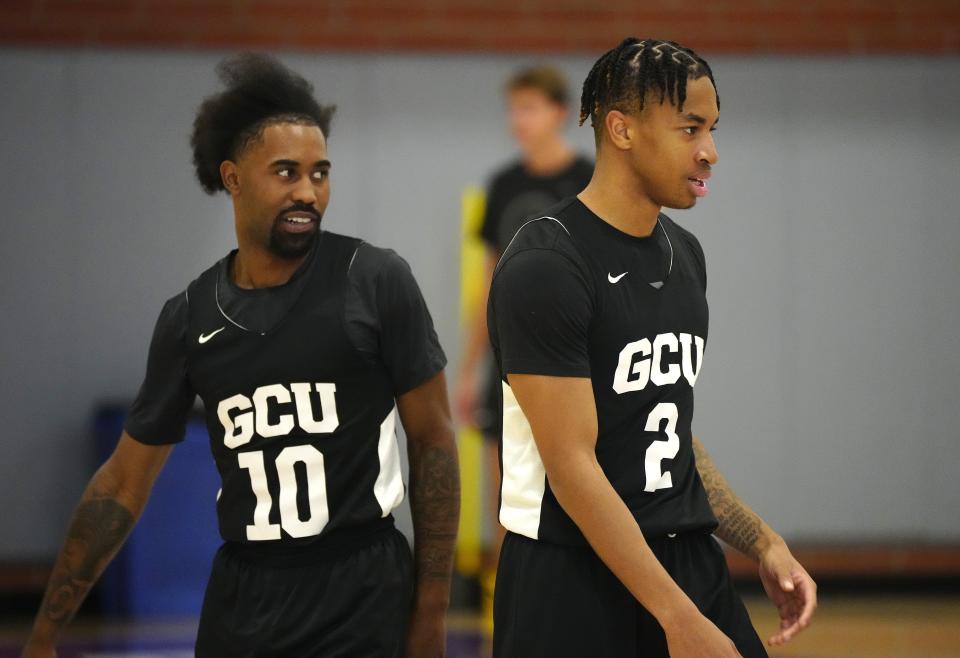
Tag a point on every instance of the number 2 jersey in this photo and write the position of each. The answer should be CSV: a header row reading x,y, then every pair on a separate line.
x,y
573,296
298,383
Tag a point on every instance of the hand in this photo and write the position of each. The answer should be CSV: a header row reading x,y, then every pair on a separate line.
x,y
427,634
700,638
790,588
465,397
35,649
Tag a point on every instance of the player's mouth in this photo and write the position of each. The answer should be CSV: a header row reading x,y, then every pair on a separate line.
x,y
298,222
698,184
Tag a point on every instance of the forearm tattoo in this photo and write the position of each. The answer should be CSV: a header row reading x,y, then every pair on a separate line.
x,y
435,505
99,526
739,525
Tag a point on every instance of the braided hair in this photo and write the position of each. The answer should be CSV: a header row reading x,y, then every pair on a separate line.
x,y
260,91
624,76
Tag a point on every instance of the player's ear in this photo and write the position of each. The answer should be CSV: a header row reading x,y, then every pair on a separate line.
x,y
618,129
230,177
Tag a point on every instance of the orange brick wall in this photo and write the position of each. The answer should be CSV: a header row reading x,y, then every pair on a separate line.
x,y
714,26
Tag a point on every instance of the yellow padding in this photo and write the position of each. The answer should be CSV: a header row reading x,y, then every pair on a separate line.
x,y
470,442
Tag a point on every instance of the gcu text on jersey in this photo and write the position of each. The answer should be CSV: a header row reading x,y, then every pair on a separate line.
x,y
641,362
241,417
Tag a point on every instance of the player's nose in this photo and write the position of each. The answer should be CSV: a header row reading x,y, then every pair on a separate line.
x,y
708,151
305,192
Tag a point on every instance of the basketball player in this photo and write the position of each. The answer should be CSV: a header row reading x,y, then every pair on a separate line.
x,y
303,346
547,170
598,321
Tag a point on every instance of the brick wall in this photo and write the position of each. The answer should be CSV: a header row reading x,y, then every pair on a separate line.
x,y
714,26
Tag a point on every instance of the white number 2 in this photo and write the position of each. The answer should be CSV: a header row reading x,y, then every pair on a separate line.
x,y
312,459
660,450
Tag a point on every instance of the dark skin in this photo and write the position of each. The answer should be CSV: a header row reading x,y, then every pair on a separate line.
x,y
435,505
282,175
786,582
108,510
645,161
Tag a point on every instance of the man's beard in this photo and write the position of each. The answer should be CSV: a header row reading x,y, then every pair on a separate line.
x,y
293,245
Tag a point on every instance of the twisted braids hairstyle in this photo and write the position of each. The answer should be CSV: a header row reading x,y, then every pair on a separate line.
x,y
260,91
624,76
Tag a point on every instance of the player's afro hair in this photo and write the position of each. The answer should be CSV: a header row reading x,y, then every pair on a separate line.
x,y
623,77
260,91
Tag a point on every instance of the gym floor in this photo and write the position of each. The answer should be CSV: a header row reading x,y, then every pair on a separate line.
x,y
846,626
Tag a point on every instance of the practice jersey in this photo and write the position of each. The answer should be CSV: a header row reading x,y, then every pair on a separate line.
x,y
516,195
301,410
575,297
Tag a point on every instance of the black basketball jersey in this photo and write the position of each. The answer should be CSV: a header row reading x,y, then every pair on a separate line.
x,y
302,426
573,296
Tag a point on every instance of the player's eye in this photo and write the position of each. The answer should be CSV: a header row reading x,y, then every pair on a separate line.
x,y
285,172
321,174
690,130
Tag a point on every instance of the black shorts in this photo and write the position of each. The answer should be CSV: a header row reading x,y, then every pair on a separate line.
x,y
353,605
563,602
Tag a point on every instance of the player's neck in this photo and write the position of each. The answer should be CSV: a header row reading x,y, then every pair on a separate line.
x,y
253,268
549,158
614,196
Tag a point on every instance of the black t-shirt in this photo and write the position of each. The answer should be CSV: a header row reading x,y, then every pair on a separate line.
x,y
299,386
515,195
574,297
385,316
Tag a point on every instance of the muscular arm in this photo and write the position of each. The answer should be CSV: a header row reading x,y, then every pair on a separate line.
x,y
785,580
434,489
108,510
740,526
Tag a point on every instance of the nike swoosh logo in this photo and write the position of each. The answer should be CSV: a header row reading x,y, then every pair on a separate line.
x,y
205,337
614,279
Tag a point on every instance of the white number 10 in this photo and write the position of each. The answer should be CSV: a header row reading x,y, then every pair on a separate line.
x,y
312,459
660,450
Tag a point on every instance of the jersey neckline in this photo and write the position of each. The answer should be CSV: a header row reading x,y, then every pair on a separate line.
x,y
659,240
299,278
616,233
301,272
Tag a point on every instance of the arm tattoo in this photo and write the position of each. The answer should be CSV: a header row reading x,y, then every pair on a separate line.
x,y
99,527
739,525
435,506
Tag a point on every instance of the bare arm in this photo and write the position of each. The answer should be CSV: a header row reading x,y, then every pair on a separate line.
x,y
477,342
739,525
478,339
562,415
108,510
435,506
785,580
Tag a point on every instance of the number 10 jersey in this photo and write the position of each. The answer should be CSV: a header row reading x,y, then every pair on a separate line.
x,y
302,425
